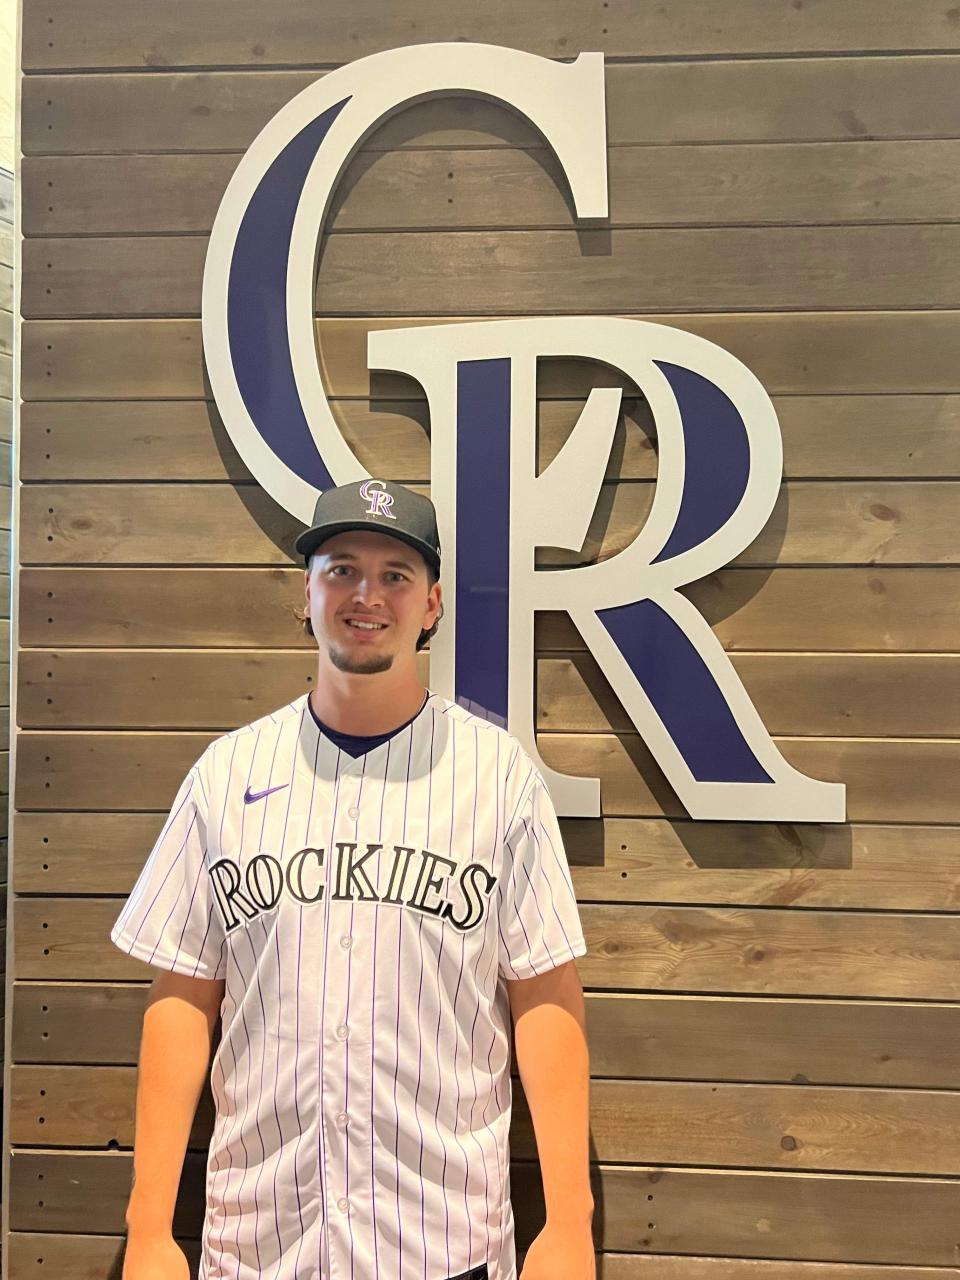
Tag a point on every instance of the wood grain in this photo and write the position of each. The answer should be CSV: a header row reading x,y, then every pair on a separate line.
x,y
89,1257
173,440
715,950
888,780
109,35
518,272
801,1127
815,523
772,1008
868,353
858,695
885,867
651,1036
879,609
862,695
708,185
836,1218
756,100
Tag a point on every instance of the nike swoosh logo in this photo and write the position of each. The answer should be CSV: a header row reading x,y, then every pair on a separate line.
x,y
249,796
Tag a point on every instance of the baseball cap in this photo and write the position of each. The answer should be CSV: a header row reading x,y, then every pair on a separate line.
x,y
382,505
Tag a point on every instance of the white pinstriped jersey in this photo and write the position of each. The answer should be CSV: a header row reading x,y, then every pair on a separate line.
x,y
363,913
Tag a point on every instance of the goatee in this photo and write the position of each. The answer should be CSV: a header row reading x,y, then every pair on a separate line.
x,y
366,664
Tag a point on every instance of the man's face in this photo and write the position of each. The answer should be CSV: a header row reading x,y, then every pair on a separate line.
x,y
368,577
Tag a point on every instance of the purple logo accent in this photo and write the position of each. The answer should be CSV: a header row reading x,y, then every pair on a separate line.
x,y
249,796
380,501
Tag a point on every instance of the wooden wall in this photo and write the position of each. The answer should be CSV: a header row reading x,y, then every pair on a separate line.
x,y
774,1010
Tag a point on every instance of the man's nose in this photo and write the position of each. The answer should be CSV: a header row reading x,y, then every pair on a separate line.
x,y
367,590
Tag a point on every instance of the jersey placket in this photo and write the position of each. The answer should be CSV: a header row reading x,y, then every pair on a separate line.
x,y
344,1096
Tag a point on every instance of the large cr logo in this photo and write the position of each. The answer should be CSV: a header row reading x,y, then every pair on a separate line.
x,y
719,441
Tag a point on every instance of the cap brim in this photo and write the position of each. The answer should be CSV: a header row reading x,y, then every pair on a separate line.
x,y
310,539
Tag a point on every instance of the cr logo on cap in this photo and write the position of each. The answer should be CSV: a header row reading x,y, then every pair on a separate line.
x,y
380,501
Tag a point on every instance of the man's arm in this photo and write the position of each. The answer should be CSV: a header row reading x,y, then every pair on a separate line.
x,y
175,1045
553,1060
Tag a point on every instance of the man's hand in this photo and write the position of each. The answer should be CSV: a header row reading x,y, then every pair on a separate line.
x,y
560,1252
154,1257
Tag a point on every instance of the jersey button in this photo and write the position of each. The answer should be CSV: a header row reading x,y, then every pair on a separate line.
x,y
353,811
342,1118
342,1031
343,1204
345,941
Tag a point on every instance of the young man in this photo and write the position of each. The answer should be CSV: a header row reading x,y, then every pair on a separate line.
x,y
366,885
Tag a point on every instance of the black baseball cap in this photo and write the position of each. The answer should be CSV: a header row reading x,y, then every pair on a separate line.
x,y
382,505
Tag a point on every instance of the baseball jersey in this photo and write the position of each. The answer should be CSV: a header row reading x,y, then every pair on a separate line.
x,y
363,913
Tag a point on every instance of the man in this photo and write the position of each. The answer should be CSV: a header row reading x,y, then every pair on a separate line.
x,y
366,885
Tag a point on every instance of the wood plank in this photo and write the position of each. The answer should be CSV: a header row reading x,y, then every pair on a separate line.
x,y
34,1255
6,251
860,695
79,1022
800,695
791,353
758,1126
519,272
897,780
71,1106
893,780
908,868
814,523
790,183
186,440
87,1257
87,1191
801,1127
715,950
761,100
110,36
781,609
867,1219
827,1042
6,376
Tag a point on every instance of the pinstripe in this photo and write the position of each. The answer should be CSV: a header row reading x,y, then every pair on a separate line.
x,y
397,1039
490,813
456,1056
321,1118
346,1056
296,997
416,1096
256,1113
229,1039
206,934
492,963
139,889
172,867
473,852
279,1006
436,1114
296,1060
373,1014
549,882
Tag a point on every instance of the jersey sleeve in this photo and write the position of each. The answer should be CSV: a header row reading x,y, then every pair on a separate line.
x,y
538,917
169,919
